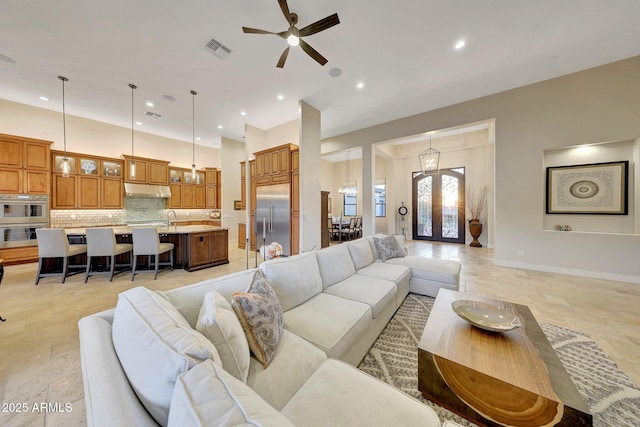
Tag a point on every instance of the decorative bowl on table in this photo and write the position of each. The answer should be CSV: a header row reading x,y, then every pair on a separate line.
x,y
486,316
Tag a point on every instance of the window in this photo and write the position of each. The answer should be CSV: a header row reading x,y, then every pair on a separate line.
x,y
350,201
380,197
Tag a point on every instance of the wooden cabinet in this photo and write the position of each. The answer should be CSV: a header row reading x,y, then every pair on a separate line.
x,y
213,188
273,166
242,235
325,233
200,197
25,165
148,171
186,192
176,195
93,183
207,249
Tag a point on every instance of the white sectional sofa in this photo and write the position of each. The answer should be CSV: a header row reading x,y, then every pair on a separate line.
x,y
144,363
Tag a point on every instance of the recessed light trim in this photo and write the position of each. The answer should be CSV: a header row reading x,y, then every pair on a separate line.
x,y
139,123
220,126
44,98
149,104
242,113
460,44
360,85
280,97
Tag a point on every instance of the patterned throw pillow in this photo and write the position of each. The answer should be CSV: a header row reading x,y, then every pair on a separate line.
x,y
261,316
388,247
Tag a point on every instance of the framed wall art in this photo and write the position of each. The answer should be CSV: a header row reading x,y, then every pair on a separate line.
x,y
597,188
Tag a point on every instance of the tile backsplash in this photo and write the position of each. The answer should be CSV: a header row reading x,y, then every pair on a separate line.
x,y
136,209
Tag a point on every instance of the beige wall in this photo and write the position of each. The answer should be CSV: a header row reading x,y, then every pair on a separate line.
x,y
595,105
233,152
97,138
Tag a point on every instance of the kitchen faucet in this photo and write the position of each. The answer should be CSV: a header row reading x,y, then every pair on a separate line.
x,y
175,216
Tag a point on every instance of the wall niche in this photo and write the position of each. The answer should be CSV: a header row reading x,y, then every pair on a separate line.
x,y
604,152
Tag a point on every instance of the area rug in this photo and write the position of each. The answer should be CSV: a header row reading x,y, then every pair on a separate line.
x,y
612,398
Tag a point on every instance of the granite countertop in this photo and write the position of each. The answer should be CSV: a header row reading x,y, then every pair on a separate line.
x,y
174,229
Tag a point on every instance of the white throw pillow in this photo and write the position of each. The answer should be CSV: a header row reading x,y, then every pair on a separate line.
x,y
335,264
155,344
218,322
361,253
209,396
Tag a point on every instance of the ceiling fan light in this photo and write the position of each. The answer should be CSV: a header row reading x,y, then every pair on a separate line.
x,y
293,40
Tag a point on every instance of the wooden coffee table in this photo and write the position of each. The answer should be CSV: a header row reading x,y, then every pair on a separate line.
x,y
495,378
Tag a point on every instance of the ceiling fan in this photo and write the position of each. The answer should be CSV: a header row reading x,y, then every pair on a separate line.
x,y
294,35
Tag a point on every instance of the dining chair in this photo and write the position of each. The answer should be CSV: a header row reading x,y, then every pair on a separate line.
x,y
53,243
101,242
358,227
147,242
348,231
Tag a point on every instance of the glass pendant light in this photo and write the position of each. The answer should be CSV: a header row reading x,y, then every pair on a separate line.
x,y
65,166
346,188
193,136
132,165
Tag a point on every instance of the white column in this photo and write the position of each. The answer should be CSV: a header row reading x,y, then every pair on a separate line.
x,y
310,237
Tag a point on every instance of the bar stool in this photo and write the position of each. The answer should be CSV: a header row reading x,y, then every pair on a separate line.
x,y
147,242
53,243
102,242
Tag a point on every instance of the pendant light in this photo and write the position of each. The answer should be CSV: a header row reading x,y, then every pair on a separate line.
x,y
346,188
429,160
66,168
193,136
132,165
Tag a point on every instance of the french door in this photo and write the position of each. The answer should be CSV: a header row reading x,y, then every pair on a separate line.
x,y
438,206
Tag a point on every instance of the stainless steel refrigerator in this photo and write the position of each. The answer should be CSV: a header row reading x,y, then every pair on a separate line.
x,y
273,216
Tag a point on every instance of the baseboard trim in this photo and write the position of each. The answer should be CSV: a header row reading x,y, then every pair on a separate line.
x,y
570,271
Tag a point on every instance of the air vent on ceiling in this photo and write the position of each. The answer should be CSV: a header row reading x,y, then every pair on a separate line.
x,y
218,49
152,114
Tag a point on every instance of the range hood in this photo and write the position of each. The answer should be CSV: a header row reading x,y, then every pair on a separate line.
x,y
146,190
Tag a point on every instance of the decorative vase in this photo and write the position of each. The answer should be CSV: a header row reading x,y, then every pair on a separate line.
x,y
475,229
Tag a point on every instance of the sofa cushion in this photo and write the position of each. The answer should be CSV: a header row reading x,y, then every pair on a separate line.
x,y
377,293
296,359
335,264
361,253
261,317
155,344
438,270
209,396
219,323
294,279
398,274
388,247
339,394
332,323
188,299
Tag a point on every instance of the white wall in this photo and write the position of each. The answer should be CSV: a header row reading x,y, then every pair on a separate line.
x,y
232,153
600,104
97,138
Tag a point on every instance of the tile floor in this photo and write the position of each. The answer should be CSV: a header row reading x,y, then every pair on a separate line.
x,y
39,349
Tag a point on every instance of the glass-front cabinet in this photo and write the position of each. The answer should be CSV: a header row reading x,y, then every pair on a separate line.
x,y
59,158
89,166
111,168
188,179
175,175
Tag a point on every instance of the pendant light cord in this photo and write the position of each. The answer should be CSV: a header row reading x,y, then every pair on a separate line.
x,y
133,87
193,127
64,119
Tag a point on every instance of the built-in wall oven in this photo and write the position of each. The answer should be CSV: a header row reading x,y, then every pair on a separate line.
x,y
20,216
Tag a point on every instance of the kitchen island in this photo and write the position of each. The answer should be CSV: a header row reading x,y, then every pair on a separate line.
x,y
195,246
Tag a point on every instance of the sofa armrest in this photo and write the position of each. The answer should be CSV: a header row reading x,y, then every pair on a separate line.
x,y
108,396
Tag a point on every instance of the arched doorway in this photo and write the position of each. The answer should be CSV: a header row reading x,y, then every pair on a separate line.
x,y
438,206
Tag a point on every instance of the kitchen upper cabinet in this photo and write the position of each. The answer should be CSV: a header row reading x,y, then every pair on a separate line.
x,y
273,166
148,171
25,165
213,188
93,183
176,195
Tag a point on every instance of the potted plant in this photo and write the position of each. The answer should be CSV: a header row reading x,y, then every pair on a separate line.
x,y
476,202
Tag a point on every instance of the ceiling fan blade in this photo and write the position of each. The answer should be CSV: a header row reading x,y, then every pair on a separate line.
x,y
320,25
285,9
283,57
256,31
312,52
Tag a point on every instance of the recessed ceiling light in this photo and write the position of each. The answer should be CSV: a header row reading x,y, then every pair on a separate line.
x,y
44,98
139,123
280,97
149,104
242,113
460,44
219,126
360,85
